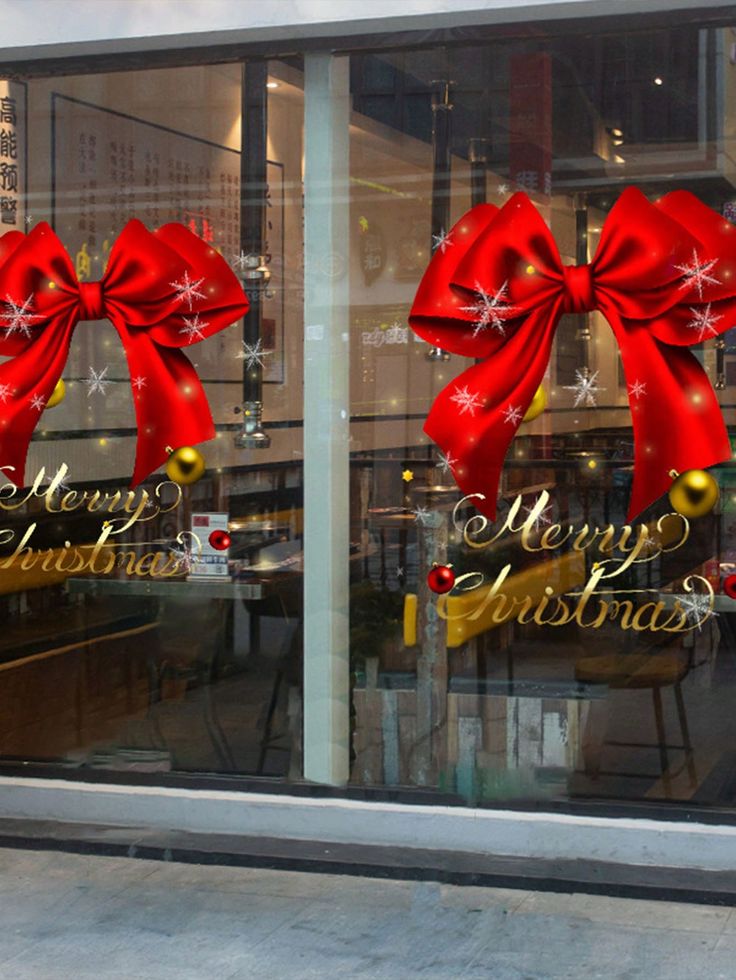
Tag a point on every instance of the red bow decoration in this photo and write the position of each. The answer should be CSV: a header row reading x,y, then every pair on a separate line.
x,y
664,276
162,291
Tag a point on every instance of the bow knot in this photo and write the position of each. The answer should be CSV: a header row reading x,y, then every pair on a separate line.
x,y
578,289
91,301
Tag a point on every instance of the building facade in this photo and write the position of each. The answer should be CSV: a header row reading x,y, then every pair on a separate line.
x,y
262,648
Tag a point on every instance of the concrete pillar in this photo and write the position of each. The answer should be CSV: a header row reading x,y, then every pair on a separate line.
x,y
326,420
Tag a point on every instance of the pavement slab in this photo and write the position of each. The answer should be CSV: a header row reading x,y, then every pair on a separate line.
x,y
78,916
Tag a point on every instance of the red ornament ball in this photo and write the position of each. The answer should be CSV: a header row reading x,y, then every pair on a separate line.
x,y
729,586
441,579
220,540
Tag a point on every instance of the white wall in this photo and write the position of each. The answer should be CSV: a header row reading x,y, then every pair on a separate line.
x,y
33,28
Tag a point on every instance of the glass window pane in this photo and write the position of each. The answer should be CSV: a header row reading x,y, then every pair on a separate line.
x,y
189,661
491,710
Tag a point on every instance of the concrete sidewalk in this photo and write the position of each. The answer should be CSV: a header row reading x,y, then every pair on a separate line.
x,y
72,916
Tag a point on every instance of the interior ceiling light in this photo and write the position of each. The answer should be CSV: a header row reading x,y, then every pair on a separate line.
x,y
272,84
658,81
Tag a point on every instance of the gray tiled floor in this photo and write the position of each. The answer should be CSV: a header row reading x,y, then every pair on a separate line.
x,y
69,916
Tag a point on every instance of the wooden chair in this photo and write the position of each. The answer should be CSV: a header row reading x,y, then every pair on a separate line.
x,y
645,671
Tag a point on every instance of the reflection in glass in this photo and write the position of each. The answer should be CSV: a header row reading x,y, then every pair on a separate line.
x,y
198,670
509,712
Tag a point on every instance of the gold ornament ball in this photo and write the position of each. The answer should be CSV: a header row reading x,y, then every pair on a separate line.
x,y
58,394
537,406
694,493
185,465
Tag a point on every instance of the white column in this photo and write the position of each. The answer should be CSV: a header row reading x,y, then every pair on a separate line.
x,y
326,420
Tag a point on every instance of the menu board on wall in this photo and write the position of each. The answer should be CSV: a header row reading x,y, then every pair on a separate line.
x,y
530,147
13,156
109,167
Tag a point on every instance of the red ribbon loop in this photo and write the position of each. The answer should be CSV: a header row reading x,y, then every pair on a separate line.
x,y
162,291
663,275
579,292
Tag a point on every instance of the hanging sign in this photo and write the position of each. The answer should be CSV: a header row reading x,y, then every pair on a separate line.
x,y
12,155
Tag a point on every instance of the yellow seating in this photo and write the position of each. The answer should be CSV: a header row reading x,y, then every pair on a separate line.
x,y
632,671
562,574
17,579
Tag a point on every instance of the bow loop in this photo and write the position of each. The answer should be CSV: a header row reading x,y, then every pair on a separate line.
x,y
37,279
639,259
437,313
515,253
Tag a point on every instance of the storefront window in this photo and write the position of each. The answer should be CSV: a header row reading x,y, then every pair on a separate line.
x,y
313,648
507,711
123,667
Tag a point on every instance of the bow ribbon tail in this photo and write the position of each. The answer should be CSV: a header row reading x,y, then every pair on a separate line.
x,y
27,381
170,404
475,418
676,419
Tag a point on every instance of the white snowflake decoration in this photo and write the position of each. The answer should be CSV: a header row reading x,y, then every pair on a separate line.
x,y
253,354
185,559
442,242
703,321
542,518
490,311
422,515
97,382
649,545
38,402
193,328
138,383
241,261
585,388
18,318
467,401
186,553
697,606
187,290
697,274
5,392
637,389
513,414
61,486
446,462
